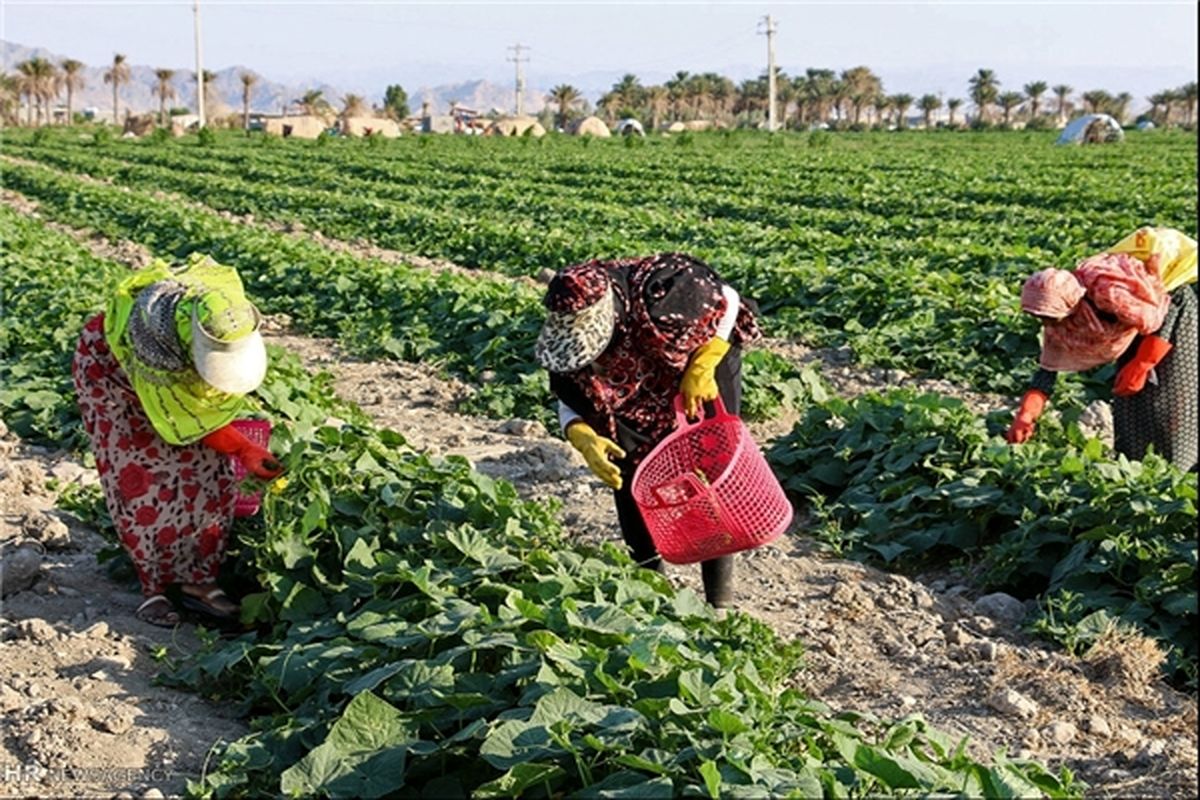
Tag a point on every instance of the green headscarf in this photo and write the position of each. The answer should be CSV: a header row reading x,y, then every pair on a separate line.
x,y
180,405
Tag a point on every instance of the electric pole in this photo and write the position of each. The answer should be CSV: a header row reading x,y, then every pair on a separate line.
x,y
199,67
516,59
769,29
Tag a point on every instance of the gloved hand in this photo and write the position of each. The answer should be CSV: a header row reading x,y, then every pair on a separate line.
x,y
596,451
1131,378
257,460
1032,405
699,384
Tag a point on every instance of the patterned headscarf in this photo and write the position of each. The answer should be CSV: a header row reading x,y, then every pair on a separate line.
x,y
582,314
1120,299
1051,293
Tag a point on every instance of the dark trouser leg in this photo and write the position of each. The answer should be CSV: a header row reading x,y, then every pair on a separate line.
x,y
718,581
633,527
716,573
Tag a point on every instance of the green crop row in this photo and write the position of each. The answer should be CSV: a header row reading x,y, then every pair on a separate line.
x,y
461,323
420,630
863,244
906,479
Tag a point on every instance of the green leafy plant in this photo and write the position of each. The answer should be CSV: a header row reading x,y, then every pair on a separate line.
x,y
914,479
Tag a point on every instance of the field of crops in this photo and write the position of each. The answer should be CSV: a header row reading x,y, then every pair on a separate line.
x,y
420,627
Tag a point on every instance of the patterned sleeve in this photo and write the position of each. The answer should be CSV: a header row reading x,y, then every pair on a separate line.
x,y
1181,298
1044,381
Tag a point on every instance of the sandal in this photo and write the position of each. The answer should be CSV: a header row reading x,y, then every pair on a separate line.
x,y
204,604
157,610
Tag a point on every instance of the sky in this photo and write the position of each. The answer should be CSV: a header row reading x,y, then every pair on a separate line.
x,y
916,47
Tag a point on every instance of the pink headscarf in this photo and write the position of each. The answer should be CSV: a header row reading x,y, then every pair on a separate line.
x,y
1052,293
1095,312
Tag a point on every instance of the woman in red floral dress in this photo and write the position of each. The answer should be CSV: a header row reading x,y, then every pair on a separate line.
x,y
621,340
159,377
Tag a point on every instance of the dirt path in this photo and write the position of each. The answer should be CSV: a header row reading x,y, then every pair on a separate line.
x,y
81,715
875,642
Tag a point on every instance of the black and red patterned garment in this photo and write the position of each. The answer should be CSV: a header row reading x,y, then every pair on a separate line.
x,y
667,305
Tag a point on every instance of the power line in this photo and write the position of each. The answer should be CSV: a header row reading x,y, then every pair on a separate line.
x,y
516,59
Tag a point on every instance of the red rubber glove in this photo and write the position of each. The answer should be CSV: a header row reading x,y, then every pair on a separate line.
x,y
258,461
1131,378
1032,405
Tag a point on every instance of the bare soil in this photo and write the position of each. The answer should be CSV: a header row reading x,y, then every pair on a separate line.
x,y
77,670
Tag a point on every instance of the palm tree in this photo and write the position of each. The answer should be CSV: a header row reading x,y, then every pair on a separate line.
x,y
928,104
1008,101
953,105
751,96
72,81
1034,92
1156,100
677,88
313,103
880,104
1096,100
565,96
1061,91
10,99
900,104
721,92
46,86
814,90
659,100
27,88
985,87
117,75
38,78
164,90
862,87
1120,106
629,90
1169,98
1188,94
353,105
248,80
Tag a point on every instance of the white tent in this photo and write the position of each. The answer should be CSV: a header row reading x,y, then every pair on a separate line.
x,y
1092,129
629,127
590,126
1145,125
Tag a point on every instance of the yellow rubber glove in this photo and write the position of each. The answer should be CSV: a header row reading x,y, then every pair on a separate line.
x,y
596,451
699,384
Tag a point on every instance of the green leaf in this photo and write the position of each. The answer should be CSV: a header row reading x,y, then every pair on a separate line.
x,y
712,778
363,756
726,723
519,778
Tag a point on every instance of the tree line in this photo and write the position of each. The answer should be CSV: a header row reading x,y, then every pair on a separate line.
x,y
38,84
852,98
855,98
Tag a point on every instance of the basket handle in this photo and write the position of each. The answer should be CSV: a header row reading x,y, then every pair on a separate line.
x,y
681,418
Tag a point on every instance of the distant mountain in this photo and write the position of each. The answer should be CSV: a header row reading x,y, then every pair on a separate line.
x,y
267,95
137,95
479,95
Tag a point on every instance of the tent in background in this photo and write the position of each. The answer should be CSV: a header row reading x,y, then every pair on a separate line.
x,y
1092,129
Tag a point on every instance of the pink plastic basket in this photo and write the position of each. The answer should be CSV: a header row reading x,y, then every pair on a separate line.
x,y
259,432
706,490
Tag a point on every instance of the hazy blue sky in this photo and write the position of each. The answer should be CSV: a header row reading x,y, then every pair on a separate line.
x,y
915,47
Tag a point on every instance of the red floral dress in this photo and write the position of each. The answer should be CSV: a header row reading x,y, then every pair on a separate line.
x,y
172,505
